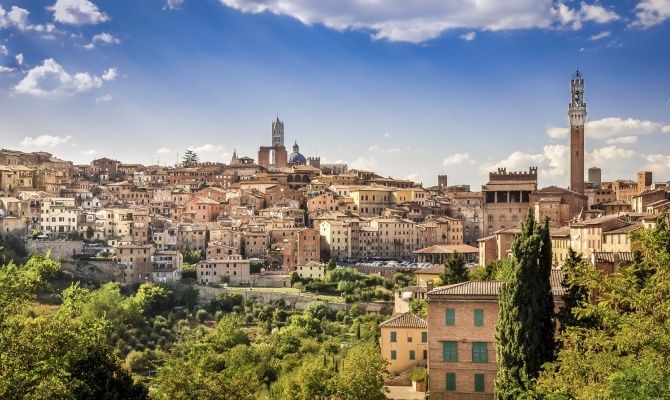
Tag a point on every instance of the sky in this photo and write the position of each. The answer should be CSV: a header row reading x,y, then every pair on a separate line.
x,y
410,89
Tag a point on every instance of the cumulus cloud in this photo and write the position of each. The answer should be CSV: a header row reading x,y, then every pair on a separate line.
x,y
393,20
50,79
552,162
164,150
19,58
622,140
612,127
104,98
4,69
77,12
3,50
608,155
89,152
110,74
458,159
364,163
206,148
104,38
601,35
45,141
468,37
651,12
173,4
658,163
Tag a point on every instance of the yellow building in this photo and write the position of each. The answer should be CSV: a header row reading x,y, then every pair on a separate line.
x,y
404,342
371,200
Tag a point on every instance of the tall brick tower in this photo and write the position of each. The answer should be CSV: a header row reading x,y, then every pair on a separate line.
x,y
577,115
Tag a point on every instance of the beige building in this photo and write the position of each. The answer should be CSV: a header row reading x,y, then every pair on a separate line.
x,y
397,237
313,270
232,268
507,198
404,342
135,261
166,266
58,216
371,200
256,244
558,204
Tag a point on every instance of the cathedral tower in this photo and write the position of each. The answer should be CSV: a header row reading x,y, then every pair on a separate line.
x,y
577,116
277,133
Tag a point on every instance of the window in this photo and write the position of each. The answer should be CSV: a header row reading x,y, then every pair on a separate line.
x,y
393,355
393,337
409,339
449,351
412,356
479,317
451,381
424,337
480,352
450,317
479,383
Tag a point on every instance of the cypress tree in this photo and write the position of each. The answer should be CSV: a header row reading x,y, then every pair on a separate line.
x,y
525,331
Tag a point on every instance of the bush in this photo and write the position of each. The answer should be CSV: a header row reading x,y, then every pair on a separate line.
x,y
202,316
418,374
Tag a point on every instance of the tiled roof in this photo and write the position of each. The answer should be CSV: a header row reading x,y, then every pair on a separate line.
x,y
413,289
405,320
471,288
435,269
625,229
603,256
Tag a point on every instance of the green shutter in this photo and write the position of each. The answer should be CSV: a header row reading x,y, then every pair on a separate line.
x,y
451,381
479,383
393,355
393,337
479,317
480,352
424,337
450,317
412,356
449,351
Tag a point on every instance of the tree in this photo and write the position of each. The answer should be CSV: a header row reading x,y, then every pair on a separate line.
x,y
623,355
455,270
331,265
89,233
190,158
524,334
361,376
575,293
419,307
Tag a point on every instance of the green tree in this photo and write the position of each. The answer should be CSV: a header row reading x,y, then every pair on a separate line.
x,y
575,294
455,270
361,376
419,307
331,265
524,334
190,158
89,232
624,355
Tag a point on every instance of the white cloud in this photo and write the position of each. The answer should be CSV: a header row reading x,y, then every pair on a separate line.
x,y
19,58
387,134
651,12
45,141
206,148
612,127
4,69
552,162
468,37
3,50
164,150
17,17
458,159
659,163
110,74
364,163
89,152
608,155
105,38
50,79
600,35
393,20
173,4
622,140
77,12
104,98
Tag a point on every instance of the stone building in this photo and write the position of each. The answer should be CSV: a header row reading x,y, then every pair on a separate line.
x,y
468,207
231,268
560,205
507,198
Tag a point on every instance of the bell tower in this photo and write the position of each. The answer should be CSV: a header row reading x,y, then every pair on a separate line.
x,y
577,116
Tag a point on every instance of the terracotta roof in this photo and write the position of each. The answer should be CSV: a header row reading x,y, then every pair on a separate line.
x,y
406,320
447,249
435,269
625,229
413,289
492,288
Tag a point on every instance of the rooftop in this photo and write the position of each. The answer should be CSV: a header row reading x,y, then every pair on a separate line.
x,y
405,320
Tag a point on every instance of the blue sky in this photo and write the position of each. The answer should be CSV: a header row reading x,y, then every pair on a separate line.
x,y
456,87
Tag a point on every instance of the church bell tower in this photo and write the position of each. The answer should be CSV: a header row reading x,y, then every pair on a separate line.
x,y
577,116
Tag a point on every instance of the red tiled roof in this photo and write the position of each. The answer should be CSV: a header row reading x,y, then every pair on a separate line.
x,y
405,320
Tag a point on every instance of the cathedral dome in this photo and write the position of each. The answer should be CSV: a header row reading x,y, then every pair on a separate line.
x,y
296,158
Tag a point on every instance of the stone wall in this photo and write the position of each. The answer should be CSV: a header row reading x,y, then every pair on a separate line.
x,y
60,249
98,271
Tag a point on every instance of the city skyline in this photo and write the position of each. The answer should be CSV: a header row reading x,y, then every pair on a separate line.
x,y
462,93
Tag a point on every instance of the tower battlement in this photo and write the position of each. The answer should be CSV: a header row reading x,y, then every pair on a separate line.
x,y
503,175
